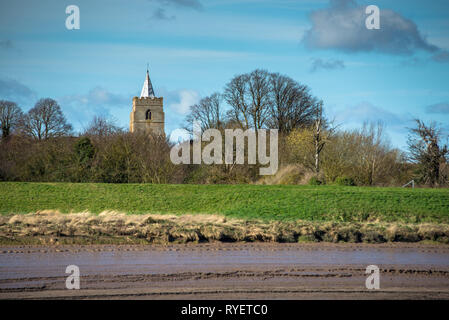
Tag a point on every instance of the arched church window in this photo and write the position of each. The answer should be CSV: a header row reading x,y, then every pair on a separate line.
x,y
148,115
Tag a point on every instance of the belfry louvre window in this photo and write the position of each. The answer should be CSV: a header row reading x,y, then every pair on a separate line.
x,y
148,115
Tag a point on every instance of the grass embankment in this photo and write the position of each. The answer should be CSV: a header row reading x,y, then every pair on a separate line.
x,y
263,202
195,213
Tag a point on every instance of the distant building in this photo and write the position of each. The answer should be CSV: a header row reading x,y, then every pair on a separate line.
x,y
148,111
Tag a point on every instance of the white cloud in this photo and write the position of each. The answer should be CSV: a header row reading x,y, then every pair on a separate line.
x,y
186,99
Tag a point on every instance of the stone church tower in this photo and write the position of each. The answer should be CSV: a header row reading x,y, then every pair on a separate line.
x,y
148,113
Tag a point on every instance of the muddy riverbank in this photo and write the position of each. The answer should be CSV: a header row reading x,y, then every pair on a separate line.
x,y
226,271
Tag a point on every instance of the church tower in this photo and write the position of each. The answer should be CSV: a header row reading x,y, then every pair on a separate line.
x,y
148,113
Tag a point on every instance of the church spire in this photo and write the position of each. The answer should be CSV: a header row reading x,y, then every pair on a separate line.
x,y
147,90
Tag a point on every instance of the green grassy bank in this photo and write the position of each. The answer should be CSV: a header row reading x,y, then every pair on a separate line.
x,y
278,203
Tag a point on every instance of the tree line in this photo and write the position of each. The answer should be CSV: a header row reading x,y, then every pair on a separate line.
x,y
316,150
40,145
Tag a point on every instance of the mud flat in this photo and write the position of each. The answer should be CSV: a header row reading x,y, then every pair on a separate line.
x,y
226,271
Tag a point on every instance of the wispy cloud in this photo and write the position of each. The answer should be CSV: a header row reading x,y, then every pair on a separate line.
x,y
185,98
16,91
81,108
367,112
442,56
6,44
194,4
441,108
176,106
330,64
97,96
160,12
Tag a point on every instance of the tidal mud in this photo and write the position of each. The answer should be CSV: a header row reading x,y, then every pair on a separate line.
x,y
226,271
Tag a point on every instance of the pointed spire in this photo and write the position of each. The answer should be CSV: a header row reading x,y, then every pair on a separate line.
x,y
147,90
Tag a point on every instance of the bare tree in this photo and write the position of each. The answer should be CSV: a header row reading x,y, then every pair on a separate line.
x,y
292,105
10,116
236,95
364,155
426,149
45,120
372,150
249,98
208,112
321,135
262,99
101,126
259,91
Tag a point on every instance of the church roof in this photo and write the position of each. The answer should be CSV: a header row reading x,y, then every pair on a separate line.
x,y
147,90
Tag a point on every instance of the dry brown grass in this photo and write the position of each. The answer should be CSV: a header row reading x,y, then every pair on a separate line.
x,y
52,227
288,175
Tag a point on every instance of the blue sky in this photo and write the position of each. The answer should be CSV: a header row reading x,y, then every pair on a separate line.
x,y
194,47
